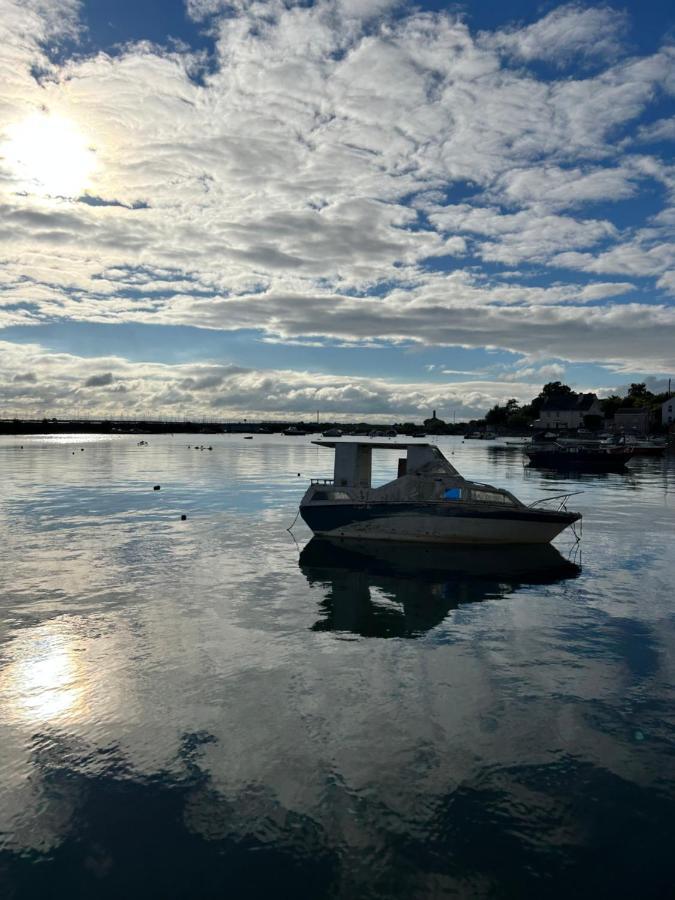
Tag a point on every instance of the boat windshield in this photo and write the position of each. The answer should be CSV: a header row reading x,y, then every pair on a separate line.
x,y
484,496
330,495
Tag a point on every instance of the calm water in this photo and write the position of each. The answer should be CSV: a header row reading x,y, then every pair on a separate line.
x,y
192,709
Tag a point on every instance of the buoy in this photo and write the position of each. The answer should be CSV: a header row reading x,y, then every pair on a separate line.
x,y
82,449
183,517
298,474
157,487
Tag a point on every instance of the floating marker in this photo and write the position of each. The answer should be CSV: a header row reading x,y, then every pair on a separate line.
x,y
157,487
183,517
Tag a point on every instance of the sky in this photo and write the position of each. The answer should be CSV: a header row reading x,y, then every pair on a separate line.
x,y
373,209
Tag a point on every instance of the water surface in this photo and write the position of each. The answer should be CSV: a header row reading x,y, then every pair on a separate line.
x,y
205,708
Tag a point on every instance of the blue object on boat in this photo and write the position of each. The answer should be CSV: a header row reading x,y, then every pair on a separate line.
x,y
453,494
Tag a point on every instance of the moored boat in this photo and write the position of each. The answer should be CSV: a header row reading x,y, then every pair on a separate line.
x,y
648,446
578,456
428,502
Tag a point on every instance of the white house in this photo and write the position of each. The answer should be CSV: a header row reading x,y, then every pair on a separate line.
x,y
568,410
668,411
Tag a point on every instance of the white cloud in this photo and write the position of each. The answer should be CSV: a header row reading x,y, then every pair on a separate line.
x,y
558,188
536,374
661,130
61,384
277,194
593,32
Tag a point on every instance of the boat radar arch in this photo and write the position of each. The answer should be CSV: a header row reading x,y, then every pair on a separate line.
x,y
353,460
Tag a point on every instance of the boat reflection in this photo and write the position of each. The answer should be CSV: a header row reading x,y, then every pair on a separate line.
x,y
389,589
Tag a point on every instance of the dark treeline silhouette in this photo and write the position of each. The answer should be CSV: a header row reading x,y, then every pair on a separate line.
x,y
514,417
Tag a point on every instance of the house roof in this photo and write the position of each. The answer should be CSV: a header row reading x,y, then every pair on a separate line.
x,y
567,402
631,411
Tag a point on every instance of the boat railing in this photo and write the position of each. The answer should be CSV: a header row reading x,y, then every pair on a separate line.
x,y
562,498
322,481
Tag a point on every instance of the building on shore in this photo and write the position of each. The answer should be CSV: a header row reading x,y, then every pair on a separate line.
x,y
668,411
567,410
632,419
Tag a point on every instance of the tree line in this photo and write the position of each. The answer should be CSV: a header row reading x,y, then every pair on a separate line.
x,y
514,416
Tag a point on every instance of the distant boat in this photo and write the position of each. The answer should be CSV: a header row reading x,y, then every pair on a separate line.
x,y
332,432
510,445
648,446
292,431
429,502
581,457
248,437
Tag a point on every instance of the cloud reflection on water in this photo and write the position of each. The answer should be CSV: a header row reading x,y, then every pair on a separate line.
x,y
194,728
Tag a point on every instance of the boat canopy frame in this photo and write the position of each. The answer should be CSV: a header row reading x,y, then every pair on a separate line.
x,y
353,460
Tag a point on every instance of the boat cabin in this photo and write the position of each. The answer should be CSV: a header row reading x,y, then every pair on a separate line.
x,y
424,474
354,460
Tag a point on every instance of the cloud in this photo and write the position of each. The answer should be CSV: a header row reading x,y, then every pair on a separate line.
x,y
536,374
24,378
99,380
232,392
327,179
667,282
558,188
661,130
569,31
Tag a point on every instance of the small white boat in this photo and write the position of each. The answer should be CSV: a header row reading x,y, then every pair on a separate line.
x,y
429,501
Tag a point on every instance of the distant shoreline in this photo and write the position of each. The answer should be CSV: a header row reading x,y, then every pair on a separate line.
x,y
119,426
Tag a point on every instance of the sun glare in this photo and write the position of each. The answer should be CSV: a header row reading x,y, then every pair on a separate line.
x,y
49,155
46,682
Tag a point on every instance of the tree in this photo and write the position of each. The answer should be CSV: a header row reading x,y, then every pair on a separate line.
x,y
551,389
609,405
638,395
554,388
499,415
